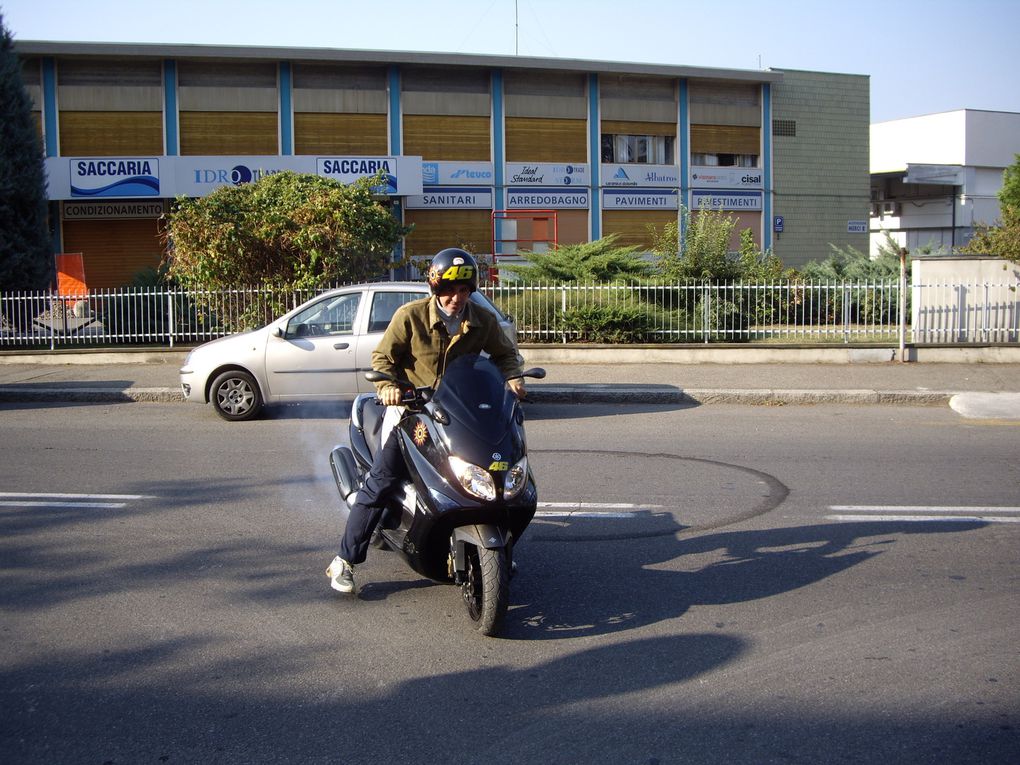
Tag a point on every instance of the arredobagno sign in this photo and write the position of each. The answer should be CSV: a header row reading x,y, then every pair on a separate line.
x,y
165,177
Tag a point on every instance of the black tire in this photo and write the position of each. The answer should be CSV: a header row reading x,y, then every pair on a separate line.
x,y
486,588
236,396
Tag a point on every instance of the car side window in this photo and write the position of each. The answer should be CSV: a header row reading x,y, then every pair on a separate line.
x,y
384,305
330,316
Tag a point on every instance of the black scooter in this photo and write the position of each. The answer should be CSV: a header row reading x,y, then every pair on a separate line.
x,y
471,493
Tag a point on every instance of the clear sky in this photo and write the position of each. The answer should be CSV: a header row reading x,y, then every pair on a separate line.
x,y
923,56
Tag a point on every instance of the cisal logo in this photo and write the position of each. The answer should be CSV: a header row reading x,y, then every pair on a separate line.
x,y
235,176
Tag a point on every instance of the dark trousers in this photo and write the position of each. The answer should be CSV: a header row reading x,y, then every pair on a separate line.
x,y
388,470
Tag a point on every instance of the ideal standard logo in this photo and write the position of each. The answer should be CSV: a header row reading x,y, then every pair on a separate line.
x,y
115,177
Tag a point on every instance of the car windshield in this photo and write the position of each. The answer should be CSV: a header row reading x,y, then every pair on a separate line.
x,y
333,315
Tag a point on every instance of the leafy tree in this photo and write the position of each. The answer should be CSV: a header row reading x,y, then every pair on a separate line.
x,y
1009,194
758,266
705,253
850,264
26,256
600,261
1002,241
286,230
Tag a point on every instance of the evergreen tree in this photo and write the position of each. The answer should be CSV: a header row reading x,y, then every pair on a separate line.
x,y
26,260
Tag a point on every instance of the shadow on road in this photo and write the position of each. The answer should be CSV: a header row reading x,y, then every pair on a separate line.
x,y
569,590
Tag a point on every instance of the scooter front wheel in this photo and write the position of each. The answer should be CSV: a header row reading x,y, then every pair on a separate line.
x,y
486,588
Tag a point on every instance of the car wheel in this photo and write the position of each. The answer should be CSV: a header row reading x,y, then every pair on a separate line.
x,y
235,396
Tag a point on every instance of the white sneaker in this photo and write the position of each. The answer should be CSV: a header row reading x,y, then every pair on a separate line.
x,y
341,575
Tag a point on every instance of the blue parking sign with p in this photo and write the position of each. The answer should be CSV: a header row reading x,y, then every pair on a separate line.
x,y
777,223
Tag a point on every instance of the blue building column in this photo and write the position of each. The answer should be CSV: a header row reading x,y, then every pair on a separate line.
x,y
286,109
498,153
683,150
766,155
49,105
394,142
171,136
393,86
595,156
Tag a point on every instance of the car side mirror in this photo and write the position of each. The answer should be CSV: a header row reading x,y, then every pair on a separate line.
x,y
278,331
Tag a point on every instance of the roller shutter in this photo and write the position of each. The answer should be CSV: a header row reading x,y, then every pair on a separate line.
x,y
341,134
725,139
114,250
435,230
632,225
111,134
444,137
533,139
228,133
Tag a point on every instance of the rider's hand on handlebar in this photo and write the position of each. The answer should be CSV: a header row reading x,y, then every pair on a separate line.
x,y
517,386
390,396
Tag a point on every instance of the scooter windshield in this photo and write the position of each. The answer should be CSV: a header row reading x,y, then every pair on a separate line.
x,y
473,393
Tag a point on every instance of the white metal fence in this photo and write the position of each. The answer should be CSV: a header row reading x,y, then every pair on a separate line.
x,y
780,312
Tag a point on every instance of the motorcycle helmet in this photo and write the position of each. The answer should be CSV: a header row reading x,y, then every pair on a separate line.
x,y
451,267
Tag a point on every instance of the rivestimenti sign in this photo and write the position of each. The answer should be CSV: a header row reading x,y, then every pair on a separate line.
x,y
726,200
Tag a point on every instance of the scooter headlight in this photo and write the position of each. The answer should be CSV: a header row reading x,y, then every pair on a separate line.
x,y
516,479
475,481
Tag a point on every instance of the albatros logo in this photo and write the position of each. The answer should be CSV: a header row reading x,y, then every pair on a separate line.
x,y
115,177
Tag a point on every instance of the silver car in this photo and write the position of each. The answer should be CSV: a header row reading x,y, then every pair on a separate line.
x,y
318,351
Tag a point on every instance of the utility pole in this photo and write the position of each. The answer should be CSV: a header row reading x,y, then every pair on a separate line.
x,y
516,27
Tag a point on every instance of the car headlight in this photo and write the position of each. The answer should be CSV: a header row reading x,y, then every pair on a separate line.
x,y
476,481
515,480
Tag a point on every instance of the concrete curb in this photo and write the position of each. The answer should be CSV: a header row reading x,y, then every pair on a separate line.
x,y
582,394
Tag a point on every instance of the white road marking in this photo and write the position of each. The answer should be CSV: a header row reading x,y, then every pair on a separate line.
x,y
101,505
925,509
591,509
927,518
925,513
36,499
593,505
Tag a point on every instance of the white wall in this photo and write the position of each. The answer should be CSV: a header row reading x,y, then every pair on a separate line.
x,y
935,139
993,139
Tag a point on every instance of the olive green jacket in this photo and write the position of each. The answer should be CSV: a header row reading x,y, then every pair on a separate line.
x,y
417,347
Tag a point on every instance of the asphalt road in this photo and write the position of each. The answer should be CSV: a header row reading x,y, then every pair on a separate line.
x,y
705,584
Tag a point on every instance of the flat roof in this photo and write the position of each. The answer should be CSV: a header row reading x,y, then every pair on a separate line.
x,y
337,55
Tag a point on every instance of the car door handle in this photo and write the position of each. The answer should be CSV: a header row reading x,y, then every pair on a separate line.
x,y
341,346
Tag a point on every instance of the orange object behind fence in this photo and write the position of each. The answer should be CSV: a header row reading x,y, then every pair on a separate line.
x,y
71,276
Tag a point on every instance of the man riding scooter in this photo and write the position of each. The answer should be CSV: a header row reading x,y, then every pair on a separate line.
x,y
422,338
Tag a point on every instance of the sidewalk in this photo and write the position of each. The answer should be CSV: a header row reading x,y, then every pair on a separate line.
x,y
152,376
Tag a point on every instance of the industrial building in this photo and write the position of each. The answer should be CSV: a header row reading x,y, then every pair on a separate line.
x,y
935,177
495,153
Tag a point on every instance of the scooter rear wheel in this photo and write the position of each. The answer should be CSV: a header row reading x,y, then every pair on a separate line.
x,y
486,588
